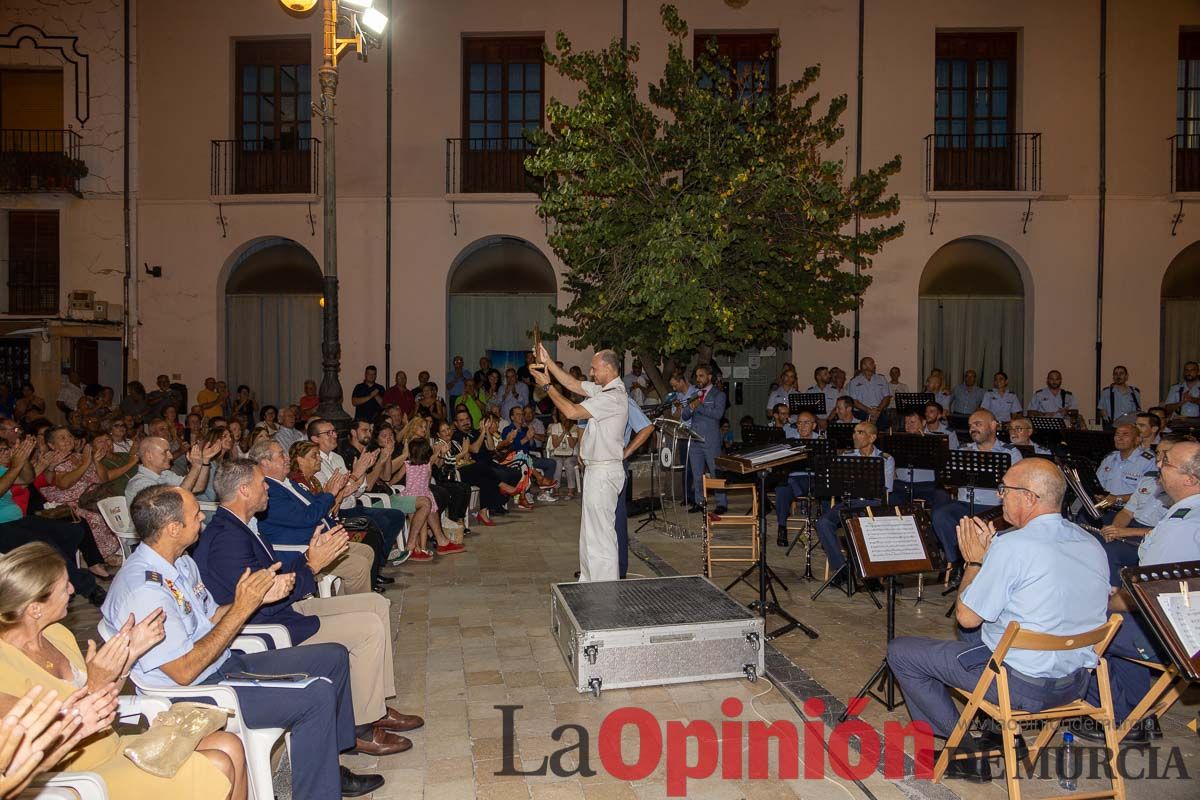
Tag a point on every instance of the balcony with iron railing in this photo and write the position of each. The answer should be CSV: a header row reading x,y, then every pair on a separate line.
x,y
497,166
33,286
40,161
985,162
1185,163
265,167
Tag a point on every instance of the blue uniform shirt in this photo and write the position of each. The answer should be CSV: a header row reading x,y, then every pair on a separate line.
x,y
1003,406
1121,475
1115,403
1049,576
1047,402
1178,394
889,464
146,582
988,497
869,391
1176,538
636,422
1149,502
965,399
831,396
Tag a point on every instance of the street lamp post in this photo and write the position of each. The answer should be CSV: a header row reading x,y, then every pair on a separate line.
x,y
365,28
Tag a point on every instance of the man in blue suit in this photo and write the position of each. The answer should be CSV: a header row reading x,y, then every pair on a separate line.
x,y
705,412
231,544
293,513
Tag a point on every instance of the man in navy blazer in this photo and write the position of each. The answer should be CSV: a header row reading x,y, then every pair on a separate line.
x,y
705,412
231,544
293,513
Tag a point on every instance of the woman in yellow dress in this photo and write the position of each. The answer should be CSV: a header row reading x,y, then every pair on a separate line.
x,y
36,650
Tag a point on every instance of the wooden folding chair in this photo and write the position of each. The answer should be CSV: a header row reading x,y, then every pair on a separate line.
x,y
747,521
1010,720
1158,701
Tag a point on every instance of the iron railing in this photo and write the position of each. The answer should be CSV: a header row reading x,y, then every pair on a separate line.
x,y
270,166
1185,162
1005,162
32,286
40,161
489,165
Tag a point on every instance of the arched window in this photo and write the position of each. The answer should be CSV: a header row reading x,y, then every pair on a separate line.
x,y
972,314
273,320
1180,316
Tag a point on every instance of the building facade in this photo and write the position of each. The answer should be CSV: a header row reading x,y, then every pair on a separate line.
x,y
997,112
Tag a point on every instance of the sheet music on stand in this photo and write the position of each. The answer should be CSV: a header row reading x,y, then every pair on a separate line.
x,y
891,538
774,452
912,401
808,401
1160,591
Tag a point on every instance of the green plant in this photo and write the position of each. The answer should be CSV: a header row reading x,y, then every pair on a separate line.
x,y
716,215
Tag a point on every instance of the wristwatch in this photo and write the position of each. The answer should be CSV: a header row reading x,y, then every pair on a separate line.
x,y
972,563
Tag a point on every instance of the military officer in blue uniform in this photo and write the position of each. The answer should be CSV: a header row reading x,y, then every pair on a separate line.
x,y
1174,539
1184,397
865,434
1046,574
983,428
1020,434
798,482
1054,401
781,418
1121,469
999,400
871,394
1119,399
195,650
824,386
935,425
922,481
967,396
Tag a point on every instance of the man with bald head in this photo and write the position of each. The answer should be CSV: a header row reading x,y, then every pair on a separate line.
x,y
982,426
155,469
605,409
1048,575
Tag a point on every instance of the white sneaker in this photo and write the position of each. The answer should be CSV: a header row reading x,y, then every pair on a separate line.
x,y
546,497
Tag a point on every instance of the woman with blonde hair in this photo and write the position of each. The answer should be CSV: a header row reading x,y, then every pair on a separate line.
x,y
35,650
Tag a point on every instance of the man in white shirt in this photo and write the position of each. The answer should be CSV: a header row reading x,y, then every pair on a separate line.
x,y
895,386
1054,401
606,409
637,383
513,394
70,394
1183,398
871,393
822,385
155,467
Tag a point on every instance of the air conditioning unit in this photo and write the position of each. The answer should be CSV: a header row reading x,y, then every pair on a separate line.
x,y
81,301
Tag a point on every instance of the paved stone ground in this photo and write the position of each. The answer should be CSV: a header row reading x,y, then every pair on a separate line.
x,y
473,633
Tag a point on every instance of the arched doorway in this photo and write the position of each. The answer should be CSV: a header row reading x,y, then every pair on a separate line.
x,y
497,288
1180,317
273,320
972,313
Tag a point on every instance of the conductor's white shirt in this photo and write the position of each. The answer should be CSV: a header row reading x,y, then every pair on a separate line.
x,y
609,408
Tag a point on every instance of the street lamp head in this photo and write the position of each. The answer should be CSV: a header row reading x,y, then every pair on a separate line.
x,y
373,21
298,6
359,5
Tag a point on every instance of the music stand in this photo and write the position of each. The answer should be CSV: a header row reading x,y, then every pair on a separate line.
x,y
1048,431
911,401
841,434
889,541
1147,585
1093,445
820,452
851,478
807,401
745,464
971,470
762,434
914,451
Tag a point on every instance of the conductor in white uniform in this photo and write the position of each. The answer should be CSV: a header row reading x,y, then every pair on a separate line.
x,y
606,409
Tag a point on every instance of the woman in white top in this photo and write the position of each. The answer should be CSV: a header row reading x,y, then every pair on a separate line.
x,y
562,444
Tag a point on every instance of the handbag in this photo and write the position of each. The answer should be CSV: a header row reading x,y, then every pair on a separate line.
x,y
90,499
173,737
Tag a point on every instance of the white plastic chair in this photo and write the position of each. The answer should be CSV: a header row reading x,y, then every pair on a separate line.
x,y
89,785
381,500
115,511
257,742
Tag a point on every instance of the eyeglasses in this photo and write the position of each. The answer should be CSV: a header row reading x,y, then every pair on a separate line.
x,y
1003,489
327,433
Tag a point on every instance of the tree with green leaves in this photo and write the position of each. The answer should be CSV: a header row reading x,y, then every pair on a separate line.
x,y
713,216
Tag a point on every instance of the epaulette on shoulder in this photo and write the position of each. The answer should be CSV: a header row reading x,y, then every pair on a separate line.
x,y
1148,454
153,577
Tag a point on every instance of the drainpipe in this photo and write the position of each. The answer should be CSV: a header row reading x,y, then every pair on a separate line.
x,y
858,170
387,216
1103,193
624,23
125,203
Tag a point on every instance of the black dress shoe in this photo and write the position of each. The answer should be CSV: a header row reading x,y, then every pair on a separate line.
x,y
956,573
781,537
987,741
722,510
975,769
695,509
384,579
358,785
97,596
1091,730
577,573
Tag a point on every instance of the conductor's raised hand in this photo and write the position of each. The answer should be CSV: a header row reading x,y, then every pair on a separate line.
x,y
542,355
541,375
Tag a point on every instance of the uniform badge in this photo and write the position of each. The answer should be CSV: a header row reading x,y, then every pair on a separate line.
x,y
199,590
180,600
1181,513
153,577
1148,454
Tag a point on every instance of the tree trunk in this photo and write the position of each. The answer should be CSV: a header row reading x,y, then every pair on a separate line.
x,y
650,367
